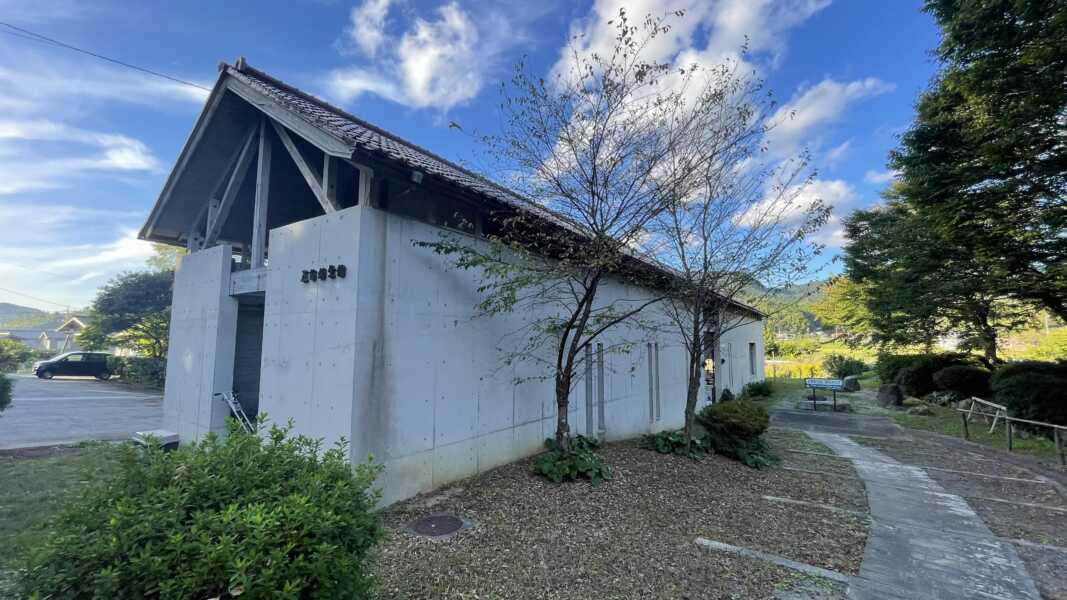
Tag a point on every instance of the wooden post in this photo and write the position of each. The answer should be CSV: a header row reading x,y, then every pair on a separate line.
x,y
1058,439
1007,432
966,426
259,216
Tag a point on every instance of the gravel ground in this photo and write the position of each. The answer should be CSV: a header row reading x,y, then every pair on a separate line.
x,y
630,537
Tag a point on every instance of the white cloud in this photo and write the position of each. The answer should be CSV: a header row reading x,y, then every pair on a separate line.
x,y
63,253
838,153
710,32
440,62
880,177
812,108
366,28
28,167
29,84
797,201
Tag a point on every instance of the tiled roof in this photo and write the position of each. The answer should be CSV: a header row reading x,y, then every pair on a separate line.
x,y
365,136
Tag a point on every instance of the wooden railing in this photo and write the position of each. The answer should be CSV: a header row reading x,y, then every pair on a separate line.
x,y
1059,432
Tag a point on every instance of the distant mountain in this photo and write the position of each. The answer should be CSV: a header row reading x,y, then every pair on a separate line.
x,y
14,316
805,292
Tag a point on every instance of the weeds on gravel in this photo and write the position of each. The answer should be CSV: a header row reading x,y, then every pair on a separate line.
x,y
578,461
673,442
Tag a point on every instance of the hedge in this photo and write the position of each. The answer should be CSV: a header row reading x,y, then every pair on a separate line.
x,y
139,370
915,372
966,379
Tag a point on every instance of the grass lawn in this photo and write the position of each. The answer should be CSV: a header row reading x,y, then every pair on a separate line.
x,y
35,487
947,420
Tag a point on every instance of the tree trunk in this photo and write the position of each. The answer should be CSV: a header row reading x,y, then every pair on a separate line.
x,y
563,391
696,355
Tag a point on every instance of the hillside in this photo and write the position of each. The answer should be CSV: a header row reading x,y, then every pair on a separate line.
x,y
15,316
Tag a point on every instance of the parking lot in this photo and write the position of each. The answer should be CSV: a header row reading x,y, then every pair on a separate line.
x,y
67,410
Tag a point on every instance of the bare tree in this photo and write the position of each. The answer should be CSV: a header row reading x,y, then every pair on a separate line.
x,y
744,232
592,146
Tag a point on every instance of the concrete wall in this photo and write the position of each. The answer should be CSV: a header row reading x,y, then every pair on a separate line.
x,y
393,359
734,369
203,326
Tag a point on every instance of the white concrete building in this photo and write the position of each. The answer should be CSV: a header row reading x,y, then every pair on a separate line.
x,y
303,292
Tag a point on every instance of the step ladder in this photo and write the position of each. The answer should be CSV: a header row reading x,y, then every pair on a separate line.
x,y
230,398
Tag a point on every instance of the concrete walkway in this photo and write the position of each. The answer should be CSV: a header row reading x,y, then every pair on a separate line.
x,y
925,543
71,410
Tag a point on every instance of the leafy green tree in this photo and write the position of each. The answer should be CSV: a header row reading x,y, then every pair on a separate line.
x,y
13,354
164,257
136,306
842,305
985,162
918,285
92,338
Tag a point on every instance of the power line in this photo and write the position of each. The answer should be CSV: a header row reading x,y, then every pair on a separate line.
x,y
41,38
66,306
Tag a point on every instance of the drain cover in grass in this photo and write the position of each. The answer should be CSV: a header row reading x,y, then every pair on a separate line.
x,y
436,526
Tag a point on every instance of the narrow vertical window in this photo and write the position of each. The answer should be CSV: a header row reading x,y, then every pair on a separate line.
x,y
752,358
659,406
651,386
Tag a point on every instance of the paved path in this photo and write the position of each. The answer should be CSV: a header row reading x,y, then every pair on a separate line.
x,y
926,543
70,410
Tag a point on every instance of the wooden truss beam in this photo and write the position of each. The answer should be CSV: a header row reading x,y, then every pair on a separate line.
x,y
218,215
259,216
311,176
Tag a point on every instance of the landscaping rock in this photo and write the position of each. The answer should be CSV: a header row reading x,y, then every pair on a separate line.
x,y
890,394
852,383
922,410
911,401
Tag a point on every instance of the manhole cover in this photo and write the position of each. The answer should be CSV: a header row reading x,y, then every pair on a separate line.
x,y
437,525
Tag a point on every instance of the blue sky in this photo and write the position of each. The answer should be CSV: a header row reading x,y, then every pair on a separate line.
x,y
85,145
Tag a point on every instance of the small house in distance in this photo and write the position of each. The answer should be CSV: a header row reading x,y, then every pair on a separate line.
x,y
304,293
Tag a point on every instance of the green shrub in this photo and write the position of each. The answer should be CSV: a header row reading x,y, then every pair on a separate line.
x,y
578,461
673,442
735,429
758,389
915,373
726,395
1037,396
139,370
252,514
841,366
1028,367
5,392
966,379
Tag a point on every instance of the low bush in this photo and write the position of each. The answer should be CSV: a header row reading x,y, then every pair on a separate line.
x,y
251,514
1028,367
578,461
726,395
5,392
673,442
1037,396
735,429
139,370
966,379
915,373
841,366
758,389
